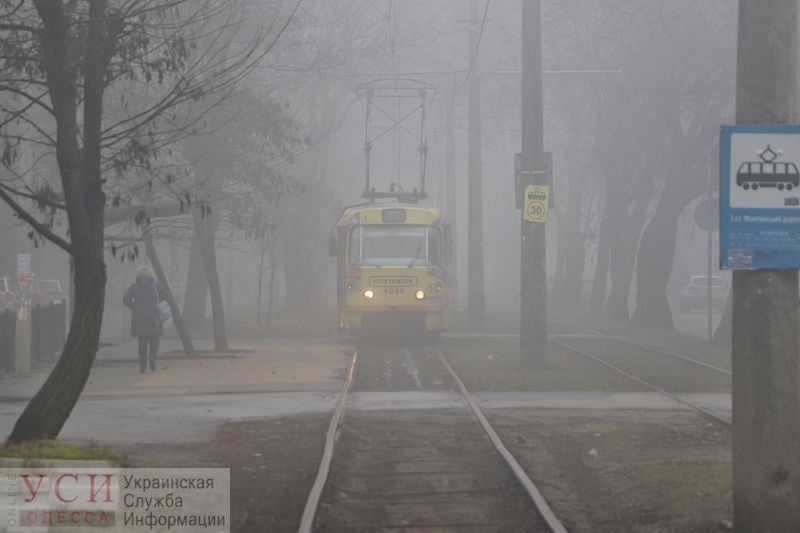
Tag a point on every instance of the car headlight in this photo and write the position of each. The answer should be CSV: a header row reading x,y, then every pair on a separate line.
x,y
369,294
420,294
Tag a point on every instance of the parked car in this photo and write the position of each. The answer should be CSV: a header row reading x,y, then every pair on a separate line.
x,y
8,300
695,294
46,291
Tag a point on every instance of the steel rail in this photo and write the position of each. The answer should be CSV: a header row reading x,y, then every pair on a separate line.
x,y
675,397
628,375
633,342
649,348
312,503
533,492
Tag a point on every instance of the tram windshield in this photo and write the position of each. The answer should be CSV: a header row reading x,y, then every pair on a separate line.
x,y
400,245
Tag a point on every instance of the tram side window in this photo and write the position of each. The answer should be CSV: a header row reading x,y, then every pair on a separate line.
x,y
355,246
434,246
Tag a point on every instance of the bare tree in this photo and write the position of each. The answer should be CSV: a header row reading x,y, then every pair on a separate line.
x,y
60,60
690,106
655,127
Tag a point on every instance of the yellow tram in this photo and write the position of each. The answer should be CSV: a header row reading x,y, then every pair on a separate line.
x,y
394,269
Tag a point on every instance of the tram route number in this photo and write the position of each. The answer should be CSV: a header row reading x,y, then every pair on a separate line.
x,y
536,201
393,290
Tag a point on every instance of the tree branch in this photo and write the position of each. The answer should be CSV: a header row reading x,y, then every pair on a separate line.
x,y
35,224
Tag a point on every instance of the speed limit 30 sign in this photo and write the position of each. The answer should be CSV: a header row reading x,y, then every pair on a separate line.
x,y
536,201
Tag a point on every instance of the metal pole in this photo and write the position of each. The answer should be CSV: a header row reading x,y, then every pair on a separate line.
x,y
533,282
475,283
367,141
229,297
766,366
709,214
452,189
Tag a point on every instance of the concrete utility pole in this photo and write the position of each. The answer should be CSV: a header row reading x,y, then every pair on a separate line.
x,y
475,290
766,366
452,190
533,319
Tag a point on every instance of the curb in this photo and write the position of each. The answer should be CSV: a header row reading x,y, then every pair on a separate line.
x,y
25,399
168,357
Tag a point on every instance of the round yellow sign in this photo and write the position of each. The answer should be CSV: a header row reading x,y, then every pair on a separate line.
x,y
537,210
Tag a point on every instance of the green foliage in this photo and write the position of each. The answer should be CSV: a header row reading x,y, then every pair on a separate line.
x,y
56,449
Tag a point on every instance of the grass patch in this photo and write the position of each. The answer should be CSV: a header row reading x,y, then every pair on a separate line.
x,y
686,468
493,364
56,449
657,471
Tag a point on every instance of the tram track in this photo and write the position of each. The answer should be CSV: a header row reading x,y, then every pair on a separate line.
x,y
560,340
420,470
658,350
654,349
674,396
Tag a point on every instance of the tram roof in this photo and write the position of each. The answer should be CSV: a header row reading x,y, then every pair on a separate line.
x,y
372,214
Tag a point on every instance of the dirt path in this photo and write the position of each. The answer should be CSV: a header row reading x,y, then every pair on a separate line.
x,y
273,464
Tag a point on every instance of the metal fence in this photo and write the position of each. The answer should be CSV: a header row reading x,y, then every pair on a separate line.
x,y
8,339
48,330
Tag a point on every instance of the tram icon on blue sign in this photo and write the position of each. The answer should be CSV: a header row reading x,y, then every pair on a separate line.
x,y
753,175
759,196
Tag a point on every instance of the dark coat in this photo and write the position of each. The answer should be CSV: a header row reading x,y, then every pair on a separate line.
x,y
141,299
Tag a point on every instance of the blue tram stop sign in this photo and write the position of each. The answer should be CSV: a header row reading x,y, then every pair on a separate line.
x,y
759,197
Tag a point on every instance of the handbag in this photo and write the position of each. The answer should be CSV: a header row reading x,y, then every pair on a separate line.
x,y
163,310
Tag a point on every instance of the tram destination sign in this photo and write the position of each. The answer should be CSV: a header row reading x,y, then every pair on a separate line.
x,y
759,197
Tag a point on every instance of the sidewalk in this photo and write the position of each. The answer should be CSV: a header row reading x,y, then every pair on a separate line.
x,y
255,366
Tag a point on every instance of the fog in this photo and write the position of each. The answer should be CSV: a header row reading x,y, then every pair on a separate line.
x,y
262,212
622,118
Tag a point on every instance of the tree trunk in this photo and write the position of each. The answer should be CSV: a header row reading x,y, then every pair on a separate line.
x,y
301,252
196,297
654,263
205,227
657,249
621,273
271,288
623,251
230,295
298,295
260,278
574,243
598,297
81,180
573,274
177,319
557,296
724,331
656,256
48,410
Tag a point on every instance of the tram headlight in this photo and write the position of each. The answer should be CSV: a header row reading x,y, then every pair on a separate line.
x,y
369,294
420,294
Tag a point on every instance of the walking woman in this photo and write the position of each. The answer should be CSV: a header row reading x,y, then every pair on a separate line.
x,y
142,298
